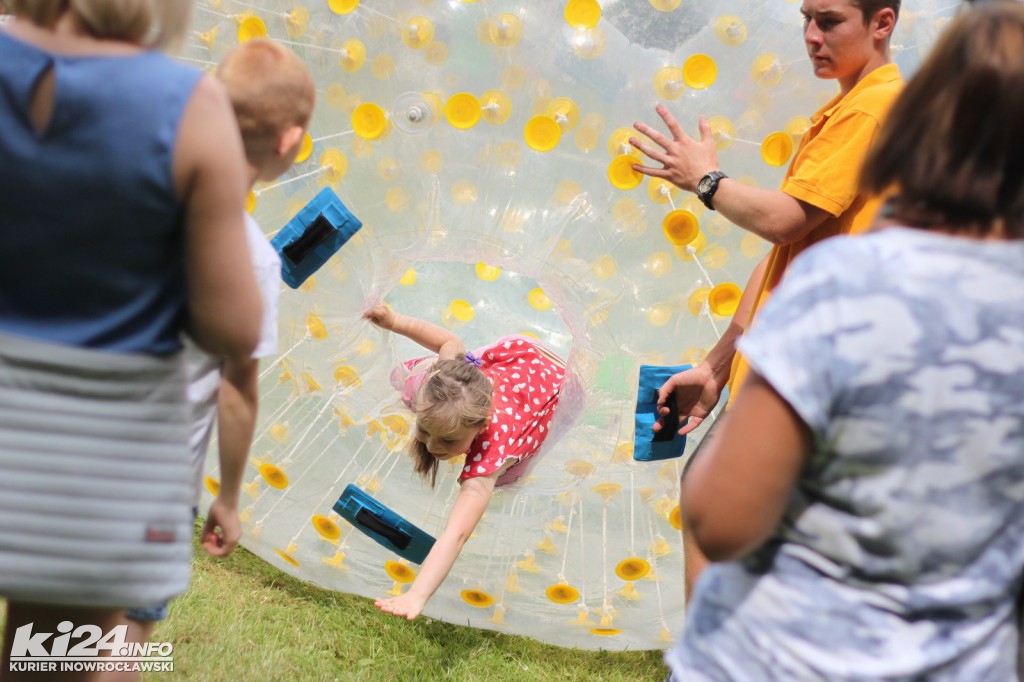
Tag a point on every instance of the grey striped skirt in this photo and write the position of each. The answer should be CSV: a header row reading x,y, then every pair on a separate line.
x,y
94,476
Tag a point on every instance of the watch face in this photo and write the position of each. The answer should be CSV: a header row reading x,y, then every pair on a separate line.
x,y
704,186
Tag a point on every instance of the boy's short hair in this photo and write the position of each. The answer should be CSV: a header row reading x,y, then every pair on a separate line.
x,y
143,22
271,90
870,8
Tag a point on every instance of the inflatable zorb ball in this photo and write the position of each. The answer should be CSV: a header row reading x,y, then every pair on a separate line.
x,y
483,147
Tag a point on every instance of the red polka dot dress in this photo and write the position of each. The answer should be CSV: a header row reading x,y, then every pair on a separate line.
x,y
527,385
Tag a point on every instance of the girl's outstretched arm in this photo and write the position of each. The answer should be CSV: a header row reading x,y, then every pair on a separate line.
x,y
432,337
469,508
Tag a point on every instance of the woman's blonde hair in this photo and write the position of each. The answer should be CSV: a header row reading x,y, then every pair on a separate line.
x,y
149,23
456,395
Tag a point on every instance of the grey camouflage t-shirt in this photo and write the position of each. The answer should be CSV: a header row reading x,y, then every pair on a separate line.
x,y
901,551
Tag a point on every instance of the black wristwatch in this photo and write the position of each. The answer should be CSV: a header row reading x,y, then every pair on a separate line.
x,y
707,187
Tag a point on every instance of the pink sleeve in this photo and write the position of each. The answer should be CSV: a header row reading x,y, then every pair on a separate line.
x,y
407,378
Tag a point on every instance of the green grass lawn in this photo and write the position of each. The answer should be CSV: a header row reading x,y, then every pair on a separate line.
x,y
245,620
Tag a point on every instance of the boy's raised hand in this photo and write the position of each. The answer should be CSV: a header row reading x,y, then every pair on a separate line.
x,y
684,160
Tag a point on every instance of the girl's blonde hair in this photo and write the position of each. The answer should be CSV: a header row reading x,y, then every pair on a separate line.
x,y
456,395
149,23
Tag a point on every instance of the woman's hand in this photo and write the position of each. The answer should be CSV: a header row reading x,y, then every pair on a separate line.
x,y
408,605
382,315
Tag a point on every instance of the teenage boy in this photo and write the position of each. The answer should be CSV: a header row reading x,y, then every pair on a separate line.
x,y
848,41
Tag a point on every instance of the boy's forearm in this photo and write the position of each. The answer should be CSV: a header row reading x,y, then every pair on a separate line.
x,y
770,214
237,407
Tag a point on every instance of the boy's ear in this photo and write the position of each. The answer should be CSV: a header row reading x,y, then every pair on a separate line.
x,y
885,22
289,141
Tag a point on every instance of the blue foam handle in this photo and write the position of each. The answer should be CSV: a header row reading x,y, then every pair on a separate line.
x,y
645,448
382,525
309,239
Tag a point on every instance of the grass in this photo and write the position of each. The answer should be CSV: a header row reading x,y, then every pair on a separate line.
x,y
245,620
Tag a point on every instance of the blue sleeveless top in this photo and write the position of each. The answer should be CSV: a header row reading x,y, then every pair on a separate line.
x,y
93,252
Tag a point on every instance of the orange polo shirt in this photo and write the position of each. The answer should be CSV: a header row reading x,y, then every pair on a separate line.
x,y
825,172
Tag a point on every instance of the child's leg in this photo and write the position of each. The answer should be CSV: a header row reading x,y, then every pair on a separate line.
x,y
141,623
46,618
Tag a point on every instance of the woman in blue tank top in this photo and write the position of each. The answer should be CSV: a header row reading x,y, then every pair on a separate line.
x,y
122,215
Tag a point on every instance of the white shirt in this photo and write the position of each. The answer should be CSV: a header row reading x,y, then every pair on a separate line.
x,y
204,370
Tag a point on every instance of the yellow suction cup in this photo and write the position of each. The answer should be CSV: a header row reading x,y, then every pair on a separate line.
x,y
700,71
343,6
564,111
296,22
418,32
724,299
496,106
462,111
505,30
582,13
621,173
542,133
680,227
306,150
488,273
539,300
477,598
777,148
668,82
730,29
562,593
369,121
767,70
251,28
337,165
353,55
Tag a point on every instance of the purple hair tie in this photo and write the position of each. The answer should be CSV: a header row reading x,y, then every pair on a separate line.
x,y
474,360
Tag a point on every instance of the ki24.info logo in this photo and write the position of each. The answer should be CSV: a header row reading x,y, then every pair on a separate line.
x,y
86,648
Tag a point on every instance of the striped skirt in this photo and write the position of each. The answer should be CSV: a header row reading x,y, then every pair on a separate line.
x,y
95,487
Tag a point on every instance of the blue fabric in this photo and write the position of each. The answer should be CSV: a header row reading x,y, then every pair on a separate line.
x,y
645,449
382,525
148,613
93,245
309,239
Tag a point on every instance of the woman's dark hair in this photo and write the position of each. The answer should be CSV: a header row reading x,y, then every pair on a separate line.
x,y
455,395
952,147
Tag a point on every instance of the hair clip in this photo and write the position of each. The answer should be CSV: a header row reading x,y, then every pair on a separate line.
x,y
473,360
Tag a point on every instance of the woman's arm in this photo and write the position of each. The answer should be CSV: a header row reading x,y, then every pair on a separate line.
x,y
432,337
734,497
224,305
467,512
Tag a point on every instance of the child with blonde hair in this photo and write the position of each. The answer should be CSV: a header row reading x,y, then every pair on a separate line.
x,y
494,405
272,94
